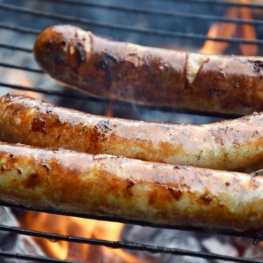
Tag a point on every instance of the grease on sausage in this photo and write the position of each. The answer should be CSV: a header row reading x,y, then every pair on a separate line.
x,y
118,187
230,145
150,76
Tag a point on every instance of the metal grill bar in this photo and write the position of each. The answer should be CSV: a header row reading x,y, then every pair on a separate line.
x,y
199,2
127,28
13,47
164,33
20,29
126,245
217,2
48,92
256,237
164,13
6,65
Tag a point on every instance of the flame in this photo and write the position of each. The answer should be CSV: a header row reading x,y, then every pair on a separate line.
x,y
247,32
109,109
229,30
23,80
79,227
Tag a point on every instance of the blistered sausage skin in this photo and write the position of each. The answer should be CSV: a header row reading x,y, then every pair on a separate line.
x,y
230,145
112,186
150,76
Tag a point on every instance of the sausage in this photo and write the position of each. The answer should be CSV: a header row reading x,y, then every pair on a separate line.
x,y
230,145
118,187
229,85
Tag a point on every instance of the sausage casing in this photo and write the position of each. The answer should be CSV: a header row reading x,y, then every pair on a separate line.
x,y
150,76
111,186
230,145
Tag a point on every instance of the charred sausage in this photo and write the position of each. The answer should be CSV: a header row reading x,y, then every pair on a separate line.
x,y
229,145
111,186
150,76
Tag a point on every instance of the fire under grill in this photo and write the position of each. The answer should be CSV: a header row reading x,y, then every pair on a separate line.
x,y
172,24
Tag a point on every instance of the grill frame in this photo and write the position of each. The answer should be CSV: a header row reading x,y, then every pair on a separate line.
x,y
78,95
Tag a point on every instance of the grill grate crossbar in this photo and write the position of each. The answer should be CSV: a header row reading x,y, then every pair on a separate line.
x,y
256,237
164,13
131,28
13,66
199,2
126,245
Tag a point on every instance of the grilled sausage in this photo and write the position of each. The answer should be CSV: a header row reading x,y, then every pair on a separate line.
x,y
112,186
151,76
229,145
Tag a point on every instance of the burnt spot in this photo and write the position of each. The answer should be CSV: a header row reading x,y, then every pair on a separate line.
x,y
227,184
152,198
10,156
130,184
258,66
102,128
216,92
176,193
3,168
63,42
80,53
39,124
47,167
102,64
19,171
113,58
105,64
206,198
55,52
32,181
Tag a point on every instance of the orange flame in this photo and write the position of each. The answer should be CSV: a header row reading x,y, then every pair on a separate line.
x,y
22,79
79,227
229,30
247,32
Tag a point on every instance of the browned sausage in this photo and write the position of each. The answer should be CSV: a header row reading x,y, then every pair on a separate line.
x,y
112,186
229,145
150,76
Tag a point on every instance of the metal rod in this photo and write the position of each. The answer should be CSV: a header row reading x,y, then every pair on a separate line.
x,y
129,28
257,236
219,2
20,29
17,48
74,95
163,13
6,65
125,245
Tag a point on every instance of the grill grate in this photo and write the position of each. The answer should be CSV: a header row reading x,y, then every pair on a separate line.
x,y
13,26
116,245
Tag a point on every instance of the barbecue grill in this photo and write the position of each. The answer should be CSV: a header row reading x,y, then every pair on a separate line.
x,y
178,24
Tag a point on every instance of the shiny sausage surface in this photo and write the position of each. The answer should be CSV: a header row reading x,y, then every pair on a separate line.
x,y
230,145
150,76
111,186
